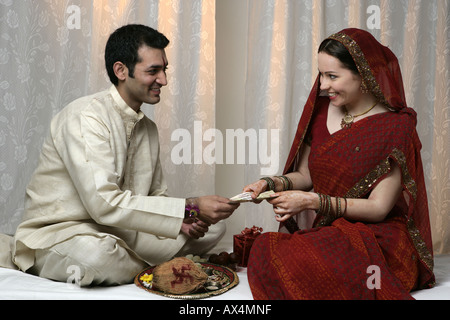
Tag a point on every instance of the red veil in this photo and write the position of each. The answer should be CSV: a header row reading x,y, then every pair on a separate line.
x,y
386,138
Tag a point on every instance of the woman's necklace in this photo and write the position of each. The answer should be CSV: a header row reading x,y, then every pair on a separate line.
x,y
348,119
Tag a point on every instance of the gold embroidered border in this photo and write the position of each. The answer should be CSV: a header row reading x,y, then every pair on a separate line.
x,y
361,63
361,187
408,181
364,185
424,254
411,186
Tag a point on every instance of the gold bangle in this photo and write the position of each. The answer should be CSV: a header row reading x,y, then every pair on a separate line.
x,y
328,204
270,183
283,182
345,209
338,207
319,210
287,182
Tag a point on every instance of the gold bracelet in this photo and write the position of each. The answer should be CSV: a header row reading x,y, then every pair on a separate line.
x,y
338,207
270,183
329,206
326,208
287,182
283,182
324,204
320,203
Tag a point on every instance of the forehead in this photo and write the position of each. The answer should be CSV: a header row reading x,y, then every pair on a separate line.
x,y
149,56
328,63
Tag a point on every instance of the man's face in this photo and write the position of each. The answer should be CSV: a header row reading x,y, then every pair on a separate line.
x,y
149,77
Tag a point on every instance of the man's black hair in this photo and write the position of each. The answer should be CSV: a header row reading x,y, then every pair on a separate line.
x,y
124,43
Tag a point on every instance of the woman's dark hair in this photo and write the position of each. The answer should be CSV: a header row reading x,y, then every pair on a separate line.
x,y
339,51
124,43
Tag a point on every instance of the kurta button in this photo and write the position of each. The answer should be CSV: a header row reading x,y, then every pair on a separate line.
x,y
357,149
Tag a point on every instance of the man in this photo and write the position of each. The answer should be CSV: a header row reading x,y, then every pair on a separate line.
x,y
97,201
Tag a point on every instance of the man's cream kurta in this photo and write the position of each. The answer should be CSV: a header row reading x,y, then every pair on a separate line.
x,y
99,173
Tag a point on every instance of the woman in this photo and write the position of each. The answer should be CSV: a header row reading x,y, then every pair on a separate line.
x,y
357,148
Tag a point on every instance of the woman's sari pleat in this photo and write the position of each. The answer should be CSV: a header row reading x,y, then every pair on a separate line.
x,y
328,263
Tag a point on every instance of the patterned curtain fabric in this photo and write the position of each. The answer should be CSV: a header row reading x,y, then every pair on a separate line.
x,y
51,52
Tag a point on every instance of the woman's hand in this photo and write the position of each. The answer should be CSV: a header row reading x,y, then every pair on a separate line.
x,y
291,203
257,188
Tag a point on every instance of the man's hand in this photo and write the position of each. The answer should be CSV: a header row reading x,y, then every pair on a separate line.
x,y
213,208
194,228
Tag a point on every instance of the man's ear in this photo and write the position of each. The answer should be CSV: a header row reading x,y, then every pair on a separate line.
x,y
120,70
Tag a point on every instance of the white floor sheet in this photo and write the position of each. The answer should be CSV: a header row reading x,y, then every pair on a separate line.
x,y
16,285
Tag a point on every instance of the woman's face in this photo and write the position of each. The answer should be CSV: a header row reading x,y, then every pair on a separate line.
x,y
341,84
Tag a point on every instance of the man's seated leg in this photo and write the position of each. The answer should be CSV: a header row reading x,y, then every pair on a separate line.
x,y
88,260
203,245
156,250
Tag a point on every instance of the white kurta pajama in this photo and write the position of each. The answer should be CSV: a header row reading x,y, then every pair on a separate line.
x,y
100,177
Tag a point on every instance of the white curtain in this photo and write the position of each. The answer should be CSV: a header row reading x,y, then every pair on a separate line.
x,y
187,107
284,36
51,52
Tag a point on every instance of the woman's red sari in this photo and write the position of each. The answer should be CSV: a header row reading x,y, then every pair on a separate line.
x,y
343,259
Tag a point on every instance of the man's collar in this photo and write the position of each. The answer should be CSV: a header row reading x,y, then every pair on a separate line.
x,y
125,110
